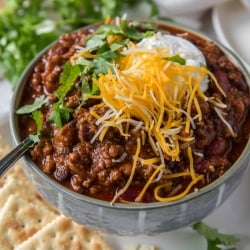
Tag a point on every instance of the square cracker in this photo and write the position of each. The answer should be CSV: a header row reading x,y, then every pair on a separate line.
x,y
20,218
63,234
15,182
4,148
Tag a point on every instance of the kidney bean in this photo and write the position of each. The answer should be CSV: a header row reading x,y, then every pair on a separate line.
x,y
61,173
133,192
222,80
218,147
238,80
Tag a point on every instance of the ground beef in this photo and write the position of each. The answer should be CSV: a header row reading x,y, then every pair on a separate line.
x,y
100,168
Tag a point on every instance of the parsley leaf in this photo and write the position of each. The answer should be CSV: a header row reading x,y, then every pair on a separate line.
x,y
215,239
29,108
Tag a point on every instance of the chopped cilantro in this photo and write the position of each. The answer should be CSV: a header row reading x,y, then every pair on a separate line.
x,y
94,89
69,75
176,59
60,114
101,66
215,239
37,116
118,45
86,65
95,42
29,108
130,31
89,90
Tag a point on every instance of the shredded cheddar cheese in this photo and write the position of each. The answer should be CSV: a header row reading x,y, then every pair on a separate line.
x,y
143,87
178,196
124,189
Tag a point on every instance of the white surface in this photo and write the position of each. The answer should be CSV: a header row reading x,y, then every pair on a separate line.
x,y
231,22
187,12
5,98
183,7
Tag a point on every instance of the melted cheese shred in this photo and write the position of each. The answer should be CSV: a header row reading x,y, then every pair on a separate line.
x,y
159,97
136,157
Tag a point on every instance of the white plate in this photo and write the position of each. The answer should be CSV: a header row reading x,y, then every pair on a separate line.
x,y
232,217
231,22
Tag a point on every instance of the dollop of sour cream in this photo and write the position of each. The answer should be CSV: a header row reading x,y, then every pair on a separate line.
x,y
176,46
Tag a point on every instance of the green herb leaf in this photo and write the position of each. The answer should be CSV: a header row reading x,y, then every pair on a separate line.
x,y
107,29
37,116
87,65
214,238
35,138
176,59
29,108
69,75
94,89
95,42
88,89
101,66
56,116
61,114
131,32
118,45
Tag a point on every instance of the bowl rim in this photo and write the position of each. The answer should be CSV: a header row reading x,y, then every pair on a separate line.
x,y
130,206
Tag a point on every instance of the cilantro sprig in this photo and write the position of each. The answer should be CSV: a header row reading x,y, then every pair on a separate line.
x,y
36,114
29,108
176,59
215,239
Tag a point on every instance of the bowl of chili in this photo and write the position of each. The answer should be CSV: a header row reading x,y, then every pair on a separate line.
x,y
139,127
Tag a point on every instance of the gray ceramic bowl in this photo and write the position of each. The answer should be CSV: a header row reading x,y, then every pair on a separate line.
x,y
133,219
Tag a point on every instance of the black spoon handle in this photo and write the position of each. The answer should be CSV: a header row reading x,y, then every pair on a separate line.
x,y
13,156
